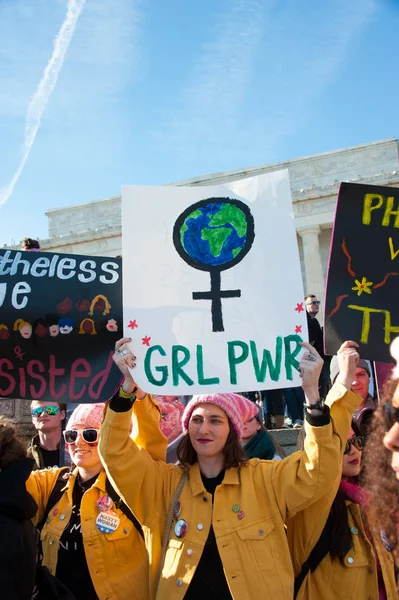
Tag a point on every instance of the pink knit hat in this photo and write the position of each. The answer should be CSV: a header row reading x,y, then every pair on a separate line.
x,y
237,408
87,415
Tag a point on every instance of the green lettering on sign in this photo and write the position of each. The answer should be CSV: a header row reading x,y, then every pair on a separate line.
x,y
202,380
290,356
236,360
147,366
177,365
267,361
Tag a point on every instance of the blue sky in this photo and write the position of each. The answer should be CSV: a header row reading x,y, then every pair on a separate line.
x,y
154,91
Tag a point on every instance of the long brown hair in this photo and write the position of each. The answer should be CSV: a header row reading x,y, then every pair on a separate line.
x,y
11,446
233,453
379,478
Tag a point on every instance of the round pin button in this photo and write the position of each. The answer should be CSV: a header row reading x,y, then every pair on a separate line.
x,y
200,526
350,560
354,530
240,515
179,583
236,508
180,528
189,552
261,532
62,517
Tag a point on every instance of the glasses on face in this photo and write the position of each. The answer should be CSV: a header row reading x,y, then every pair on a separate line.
x,y
391,416
357,442
50,410
90,436
314,303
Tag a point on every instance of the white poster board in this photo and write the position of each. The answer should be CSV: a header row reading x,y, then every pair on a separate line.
x,y
212,288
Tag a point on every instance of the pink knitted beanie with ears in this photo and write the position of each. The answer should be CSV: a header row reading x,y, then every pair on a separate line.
x,y
237,408
87,415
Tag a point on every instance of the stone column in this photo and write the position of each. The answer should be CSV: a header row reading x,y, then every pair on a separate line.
x,y
315,282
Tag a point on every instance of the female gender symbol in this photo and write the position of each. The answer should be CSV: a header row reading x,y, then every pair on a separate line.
x,y
214,235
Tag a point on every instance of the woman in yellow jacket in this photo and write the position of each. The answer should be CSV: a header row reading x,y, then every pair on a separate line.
x,y
334,555
348,563
227,538
88,541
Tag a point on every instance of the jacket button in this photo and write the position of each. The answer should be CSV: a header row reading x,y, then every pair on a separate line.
x,y
179,583
371,570
350,560
261,532
200,526
205,499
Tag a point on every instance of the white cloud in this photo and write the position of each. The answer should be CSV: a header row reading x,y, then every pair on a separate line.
x,y
100,63
44,90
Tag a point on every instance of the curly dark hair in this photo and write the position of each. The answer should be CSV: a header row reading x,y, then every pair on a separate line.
x,y
379,478
11,446
233,452
29,244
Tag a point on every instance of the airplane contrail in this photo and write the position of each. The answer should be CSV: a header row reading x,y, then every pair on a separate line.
x,y
45,88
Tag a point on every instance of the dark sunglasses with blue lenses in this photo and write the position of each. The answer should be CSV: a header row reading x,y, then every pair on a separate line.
x,y
357,442
391,416
50,410
90,436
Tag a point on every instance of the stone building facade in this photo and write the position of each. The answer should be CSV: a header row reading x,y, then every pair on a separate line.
x,y
94,228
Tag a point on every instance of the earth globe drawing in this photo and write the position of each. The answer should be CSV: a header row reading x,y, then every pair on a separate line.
x,y
214,235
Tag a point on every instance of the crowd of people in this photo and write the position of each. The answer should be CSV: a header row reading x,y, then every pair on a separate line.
x,y
91,509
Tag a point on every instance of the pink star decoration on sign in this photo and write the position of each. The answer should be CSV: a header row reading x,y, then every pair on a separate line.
x,y
146,340
299,307
132,324
298,329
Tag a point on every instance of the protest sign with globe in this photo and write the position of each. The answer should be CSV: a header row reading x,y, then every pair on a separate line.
x,y
214,235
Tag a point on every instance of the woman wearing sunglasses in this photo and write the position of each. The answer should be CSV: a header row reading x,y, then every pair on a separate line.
x,y
345,561
90,539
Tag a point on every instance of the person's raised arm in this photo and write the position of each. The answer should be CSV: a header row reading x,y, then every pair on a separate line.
x,y
137,477
146,419
306,476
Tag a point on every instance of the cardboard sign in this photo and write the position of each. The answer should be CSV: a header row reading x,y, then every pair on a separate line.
x,y
363,275
213,294
60,316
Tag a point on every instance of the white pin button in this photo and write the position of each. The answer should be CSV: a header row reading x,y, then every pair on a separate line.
x,y
200,526
350,560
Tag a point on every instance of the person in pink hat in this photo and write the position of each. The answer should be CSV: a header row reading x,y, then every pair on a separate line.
x,y
215,522
91,541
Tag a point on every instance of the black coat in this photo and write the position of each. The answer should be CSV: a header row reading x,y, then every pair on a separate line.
x,y
18,536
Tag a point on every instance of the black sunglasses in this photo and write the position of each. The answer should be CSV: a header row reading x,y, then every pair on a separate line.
x,y
90,436
357,442
315,302
391,416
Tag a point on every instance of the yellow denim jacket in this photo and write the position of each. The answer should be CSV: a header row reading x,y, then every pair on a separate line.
x,y
357,580
253,547
117,561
